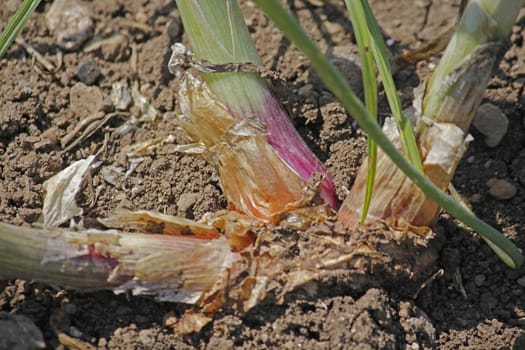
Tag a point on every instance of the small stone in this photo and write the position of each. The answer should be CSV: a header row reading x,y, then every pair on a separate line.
x,y
107,104
492,123
479,280
518,83
115,48
186,202
70,21
305,91
333,28
75,332
299,5
121,96
51,134
502,189
141,17
476,198
88,71
346,59
521,281
170,319
85,100
173,28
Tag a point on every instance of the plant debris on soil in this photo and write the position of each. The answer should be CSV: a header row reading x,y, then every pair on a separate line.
x,y
471,301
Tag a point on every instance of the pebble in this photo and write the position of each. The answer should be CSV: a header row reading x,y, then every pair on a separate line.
x,y
115,48
479,280
333,28
70,22
88,71
85,100
173,28
501,189
121,96
476,198
492,123
305,91
51,134
521,281
186,202
346,59
170,319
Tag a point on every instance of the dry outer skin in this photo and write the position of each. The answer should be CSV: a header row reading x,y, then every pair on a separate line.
x,y
35,114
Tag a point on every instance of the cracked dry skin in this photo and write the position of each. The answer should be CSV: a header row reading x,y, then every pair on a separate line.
x,y
36,114
286,262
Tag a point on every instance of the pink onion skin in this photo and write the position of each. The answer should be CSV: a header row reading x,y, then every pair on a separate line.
x,y
291,147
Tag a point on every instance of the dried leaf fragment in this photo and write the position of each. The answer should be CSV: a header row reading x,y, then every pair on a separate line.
x,y
61,189
149,221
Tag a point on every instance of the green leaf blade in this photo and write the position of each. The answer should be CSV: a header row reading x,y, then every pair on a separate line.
x,y
16,23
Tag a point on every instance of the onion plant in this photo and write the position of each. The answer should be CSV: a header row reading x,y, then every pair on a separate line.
x,y
483,22
218,34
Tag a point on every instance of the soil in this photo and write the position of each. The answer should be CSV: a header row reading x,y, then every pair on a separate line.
x,y
477,303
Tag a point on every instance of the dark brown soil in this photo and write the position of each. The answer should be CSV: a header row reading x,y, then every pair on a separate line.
x,y
477,303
